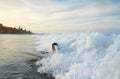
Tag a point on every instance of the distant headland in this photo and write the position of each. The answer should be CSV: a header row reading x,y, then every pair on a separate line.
x,y
10,30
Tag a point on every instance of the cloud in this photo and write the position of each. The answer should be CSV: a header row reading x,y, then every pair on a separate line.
x,y
47,14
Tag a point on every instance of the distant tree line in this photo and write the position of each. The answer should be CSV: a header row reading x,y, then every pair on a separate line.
x,y
10,30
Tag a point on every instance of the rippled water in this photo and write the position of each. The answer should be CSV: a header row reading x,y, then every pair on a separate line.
x,y
14,63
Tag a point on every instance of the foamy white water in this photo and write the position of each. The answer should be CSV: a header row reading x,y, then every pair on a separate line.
x,y
81,56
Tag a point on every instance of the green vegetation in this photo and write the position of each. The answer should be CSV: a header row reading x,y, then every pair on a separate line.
x,y
10,30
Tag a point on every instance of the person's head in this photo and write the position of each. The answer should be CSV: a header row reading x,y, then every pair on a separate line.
x,y
54,46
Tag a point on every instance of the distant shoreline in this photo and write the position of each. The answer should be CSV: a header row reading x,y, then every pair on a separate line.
x,y
16,33
11,30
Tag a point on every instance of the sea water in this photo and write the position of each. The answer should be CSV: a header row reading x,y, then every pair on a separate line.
x,y
80,55
14,62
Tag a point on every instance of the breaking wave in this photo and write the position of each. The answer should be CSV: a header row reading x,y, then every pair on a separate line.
x,y
80,56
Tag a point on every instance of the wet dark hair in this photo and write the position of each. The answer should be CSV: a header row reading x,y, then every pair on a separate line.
x,y
54,44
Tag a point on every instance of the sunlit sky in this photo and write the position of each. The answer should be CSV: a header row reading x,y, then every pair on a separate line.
x,y
47,16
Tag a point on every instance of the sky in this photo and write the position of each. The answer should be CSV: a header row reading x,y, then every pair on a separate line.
x,y
57,16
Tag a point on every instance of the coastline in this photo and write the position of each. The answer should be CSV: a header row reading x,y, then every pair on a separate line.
x,y
11,30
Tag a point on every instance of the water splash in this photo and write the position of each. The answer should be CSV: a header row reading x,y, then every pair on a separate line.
x,y
81,56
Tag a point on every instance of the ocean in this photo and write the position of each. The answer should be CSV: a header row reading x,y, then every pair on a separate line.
x,y
90,55
14,62
87,55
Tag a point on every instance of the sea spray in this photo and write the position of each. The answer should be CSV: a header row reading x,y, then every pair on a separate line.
x,y
80,56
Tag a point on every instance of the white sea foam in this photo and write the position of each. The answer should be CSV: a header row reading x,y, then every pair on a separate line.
x,y
81,56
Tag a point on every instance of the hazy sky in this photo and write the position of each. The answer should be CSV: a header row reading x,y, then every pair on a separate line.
x,y
61,15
